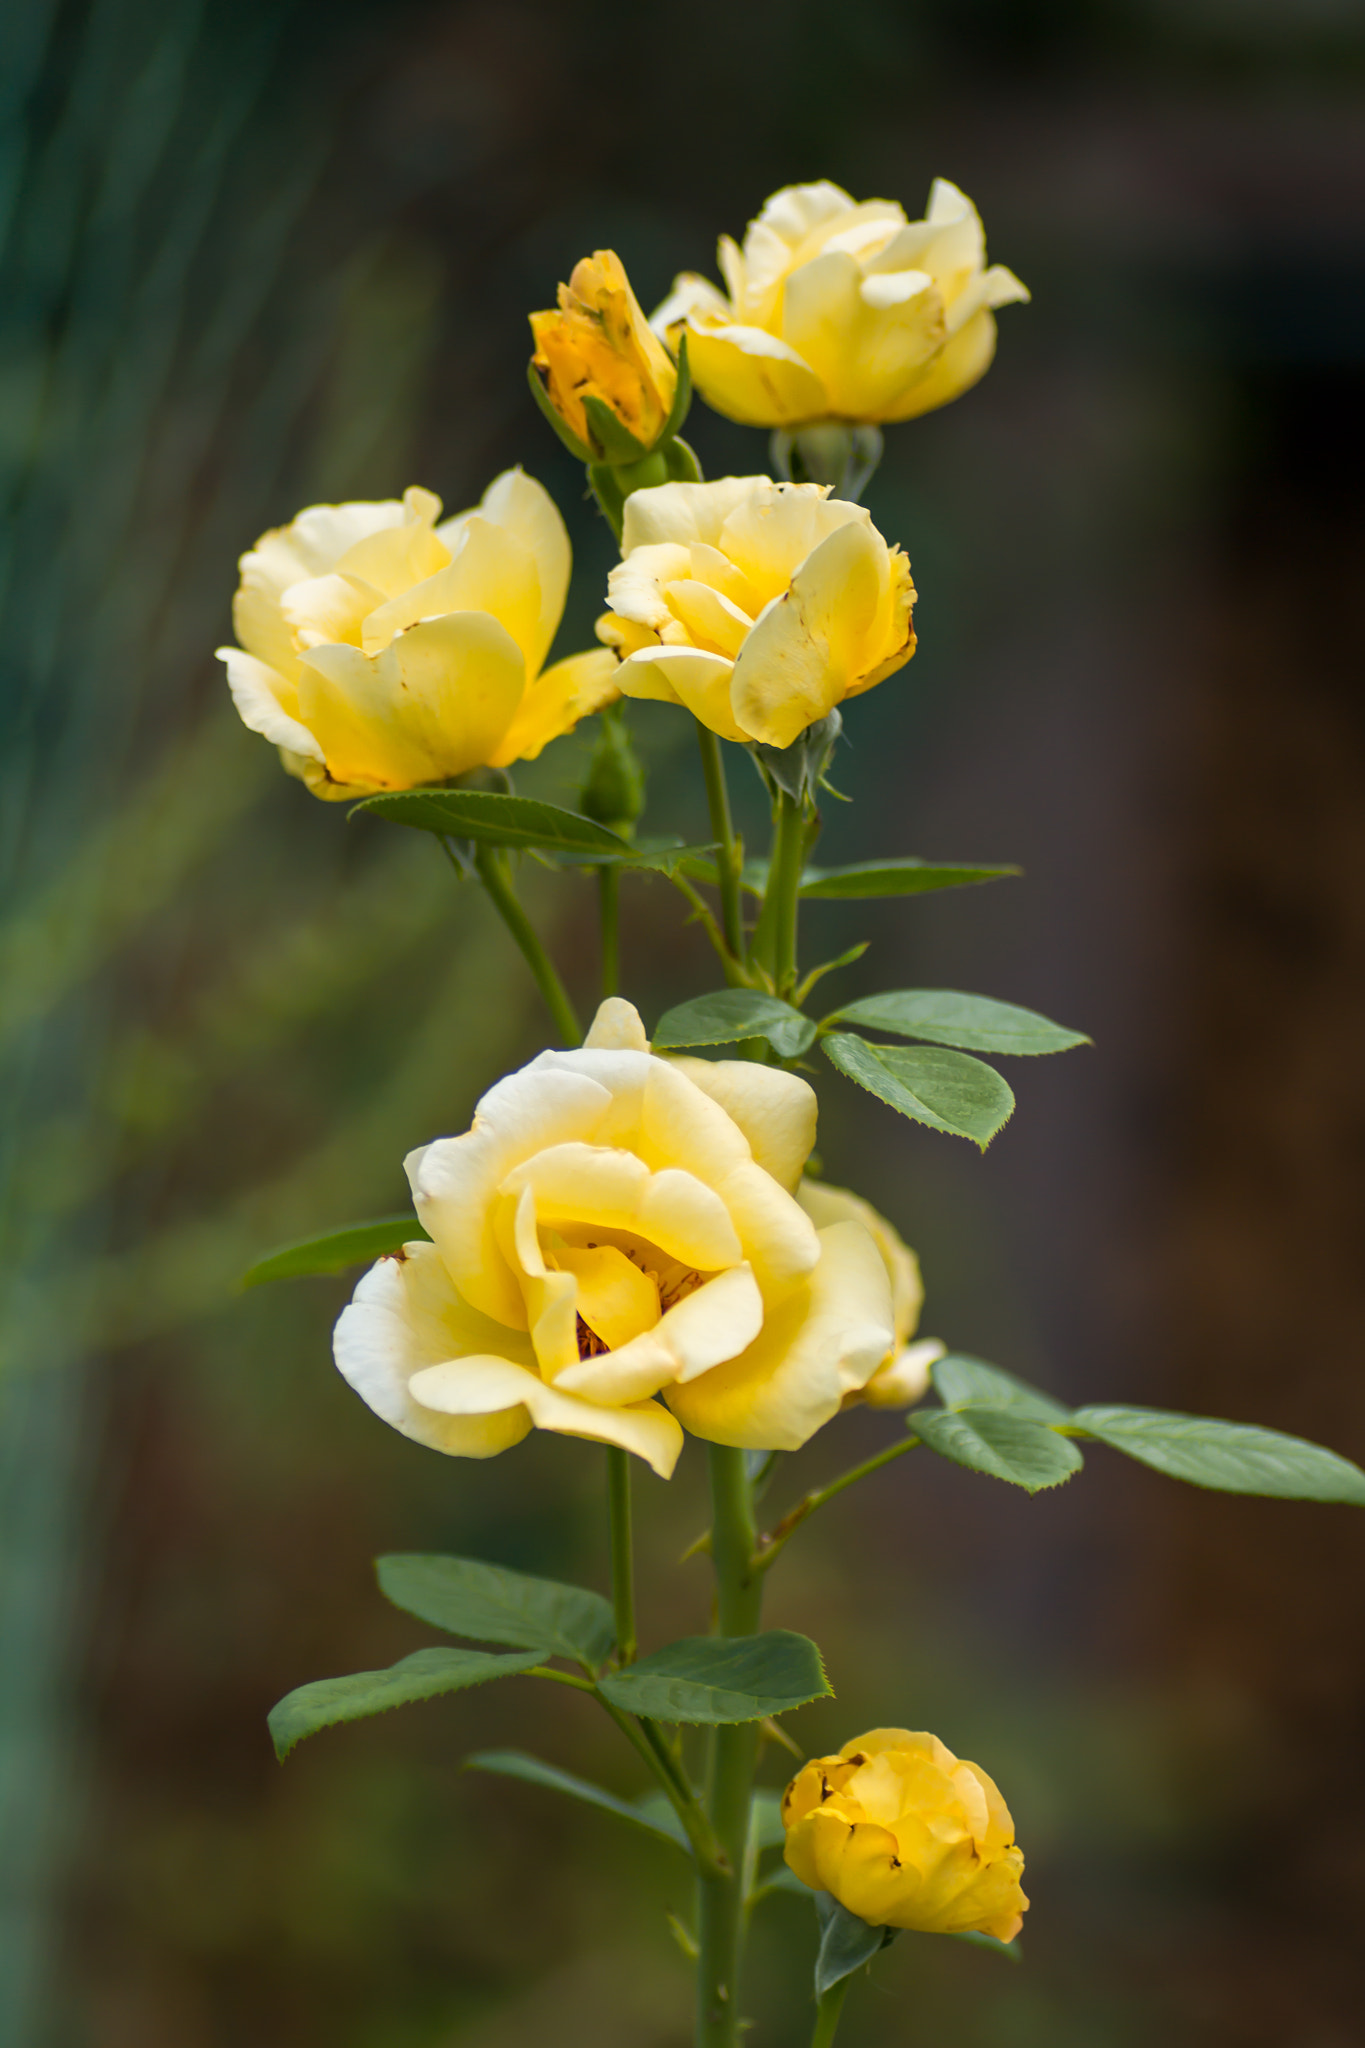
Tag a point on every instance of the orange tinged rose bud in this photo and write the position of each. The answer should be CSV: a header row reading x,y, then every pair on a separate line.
x,y
905,1835
598,345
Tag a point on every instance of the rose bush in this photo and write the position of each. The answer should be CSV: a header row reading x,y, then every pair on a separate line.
x,y
382,650
843,311
905,1835
758,605
614,1227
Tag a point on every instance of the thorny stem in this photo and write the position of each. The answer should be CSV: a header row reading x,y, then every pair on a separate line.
x,y
647,1743
493,872
827,2013
733,1755
782,900
734,973
728,852
622,1551
769,1546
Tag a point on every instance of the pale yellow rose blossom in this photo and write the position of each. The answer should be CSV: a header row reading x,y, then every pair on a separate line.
x,y
905,1835
843,311
902,1378
381,649
758,605
617,1226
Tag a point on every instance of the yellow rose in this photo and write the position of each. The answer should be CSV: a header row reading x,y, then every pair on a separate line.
x,y
600,345
906,1836
760,606
840,311
616,1226
380,650
902,1378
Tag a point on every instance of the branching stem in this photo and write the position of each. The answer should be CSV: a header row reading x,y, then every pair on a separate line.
x,y
729,854
769,1546
622,1551
827,2013
733,1754
493,871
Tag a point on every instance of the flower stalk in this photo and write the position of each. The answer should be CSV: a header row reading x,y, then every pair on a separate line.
x,y
732,1756
781,904
493,871
729,852
827,2013
622,1551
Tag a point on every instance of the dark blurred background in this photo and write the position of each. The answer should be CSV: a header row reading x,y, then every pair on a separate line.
x,y
261,254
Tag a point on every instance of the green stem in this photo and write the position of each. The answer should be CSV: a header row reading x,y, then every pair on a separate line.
x,y
647,1743
735,975
769,1546
781,899
733,1755
496,877
622,1551
827,2013
609,912
729,856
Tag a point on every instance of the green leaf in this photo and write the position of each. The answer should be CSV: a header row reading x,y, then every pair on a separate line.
x,y
782,1879
800,768
949,1091
423,1676
1001,1442
656,1817
732,1014
1012,1951
1231,1457
494,819
846,1942
618,445
578,449
680,461
946,1017
682,397
765,1821
715,1679
643,853
494,1605
963,1382
357,1245
870,878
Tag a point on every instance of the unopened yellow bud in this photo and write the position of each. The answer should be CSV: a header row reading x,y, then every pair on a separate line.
x,y
905,1835
599,345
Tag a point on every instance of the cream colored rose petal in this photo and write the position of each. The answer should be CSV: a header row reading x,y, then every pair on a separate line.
x,y
645,1428
821,1339
617,1027
688,675
257,691
776,1111
406,1316
810,643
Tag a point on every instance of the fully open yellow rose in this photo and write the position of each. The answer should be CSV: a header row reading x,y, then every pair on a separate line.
x,y
598,344
903,1375
905,1835
380,650
760,606
841,311
616,1226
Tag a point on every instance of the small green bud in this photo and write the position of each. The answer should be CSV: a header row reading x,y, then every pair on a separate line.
x,y
614,792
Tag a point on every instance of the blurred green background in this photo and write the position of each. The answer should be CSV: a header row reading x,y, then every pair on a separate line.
x,y
261,254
